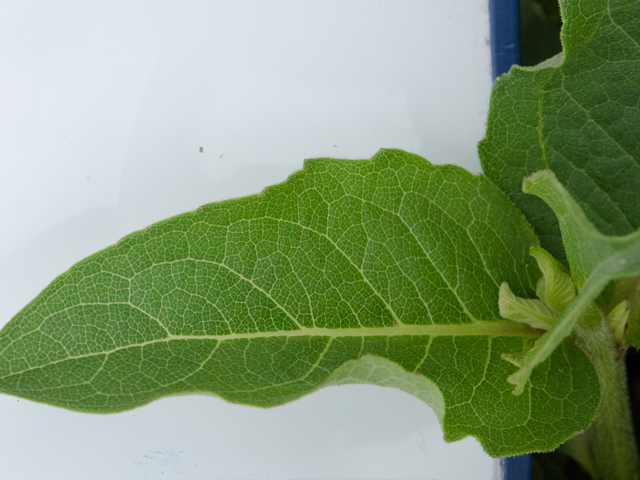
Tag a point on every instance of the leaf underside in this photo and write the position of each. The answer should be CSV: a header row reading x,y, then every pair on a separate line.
x,y
324,279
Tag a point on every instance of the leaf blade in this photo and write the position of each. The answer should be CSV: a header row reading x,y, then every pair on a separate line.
x,y
259,300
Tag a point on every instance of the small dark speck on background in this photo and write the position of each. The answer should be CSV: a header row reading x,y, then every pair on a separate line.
x,y
335,146
221,155
201,149
88,178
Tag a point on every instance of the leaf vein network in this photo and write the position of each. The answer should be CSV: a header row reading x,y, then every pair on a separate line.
x,y
586,206
349,259
428,257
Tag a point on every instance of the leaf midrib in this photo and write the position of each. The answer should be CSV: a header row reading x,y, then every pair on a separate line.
x,y
497,328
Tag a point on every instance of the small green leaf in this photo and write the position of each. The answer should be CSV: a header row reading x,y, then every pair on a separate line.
x,y
384,270
555,288
584,245
577,115
533,312
618,319
595,261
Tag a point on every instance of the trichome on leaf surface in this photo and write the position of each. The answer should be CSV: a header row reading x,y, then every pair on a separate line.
x,y
506,305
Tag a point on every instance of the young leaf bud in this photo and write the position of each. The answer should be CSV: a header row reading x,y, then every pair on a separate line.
x,y
618,318
555,288
532,312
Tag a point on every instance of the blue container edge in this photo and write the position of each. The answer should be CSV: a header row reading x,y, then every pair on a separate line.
x,y
504,24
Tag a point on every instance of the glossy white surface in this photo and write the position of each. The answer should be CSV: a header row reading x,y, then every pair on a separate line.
x,y
105,106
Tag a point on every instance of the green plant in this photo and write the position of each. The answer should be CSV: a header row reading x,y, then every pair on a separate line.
x,y
392,271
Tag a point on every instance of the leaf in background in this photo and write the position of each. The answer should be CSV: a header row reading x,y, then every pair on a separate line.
x,y
578,117
327,278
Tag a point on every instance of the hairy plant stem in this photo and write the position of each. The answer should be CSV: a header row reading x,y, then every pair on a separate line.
x,y
611,441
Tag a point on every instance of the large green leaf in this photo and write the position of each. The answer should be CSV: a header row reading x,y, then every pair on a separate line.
x,y
578,116
384,271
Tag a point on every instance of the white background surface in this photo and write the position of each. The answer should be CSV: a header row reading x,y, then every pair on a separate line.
x,y
103,109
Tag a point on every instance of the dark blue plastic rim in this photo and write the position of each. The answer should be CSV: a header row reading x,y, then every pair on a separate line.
x,y
517,468
504,20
